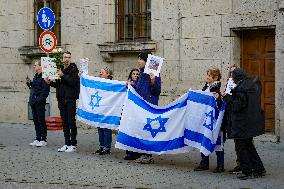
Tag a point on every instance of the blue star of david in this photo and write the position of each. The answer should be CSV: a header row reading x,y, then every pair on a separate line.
x,y
98,98
154,132
209,116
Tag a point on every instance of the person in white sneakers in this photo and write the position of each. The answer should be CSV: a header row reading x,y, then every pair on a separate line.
x,y
39,91
67,92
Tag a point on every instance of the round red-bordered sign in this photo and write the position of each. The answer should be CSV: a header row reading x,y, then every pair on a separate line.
x,y
47,41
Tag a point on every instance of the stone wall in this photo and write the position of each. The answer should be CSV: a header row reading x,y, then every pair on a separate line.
x,y
192,36
15,26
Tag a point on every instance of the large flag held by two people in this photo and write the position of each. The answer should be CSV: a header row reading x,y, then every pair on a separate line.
x,y
100,102
192,120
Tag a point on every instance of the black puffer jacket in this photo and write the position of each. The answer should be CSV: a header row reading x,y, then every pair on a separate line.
x,y
39,90
68,87
247,119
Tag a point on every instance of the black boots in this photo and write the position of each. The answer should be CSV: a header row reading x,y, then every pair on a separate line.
x,y
201,167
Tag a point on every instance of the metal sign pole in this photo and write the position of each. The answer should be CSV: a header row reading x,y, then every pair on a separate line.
x,y
49,96
46,20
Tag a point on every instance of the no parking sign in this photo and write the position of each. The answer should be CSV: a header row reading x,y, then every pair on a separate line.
x,y
47,41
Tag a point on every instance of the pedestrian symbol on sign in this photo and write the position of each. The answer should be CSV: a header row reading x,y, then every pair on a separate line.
x,y
46,18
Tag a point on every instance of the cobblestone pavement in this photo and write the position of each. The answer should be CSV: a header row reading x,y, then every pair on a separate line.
x,y
22,166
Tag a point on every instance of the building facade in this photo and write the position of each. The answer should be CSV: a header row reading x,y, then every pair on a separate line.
x,y
191,35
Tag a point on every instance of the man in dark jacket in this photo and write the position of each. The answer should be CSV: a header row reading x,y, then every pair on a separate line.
x,y
39,91
247,121
67,92
148,87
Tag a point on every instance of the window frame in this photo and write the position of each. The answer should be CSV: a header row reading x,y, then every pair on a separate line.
x,y
140,12
56,29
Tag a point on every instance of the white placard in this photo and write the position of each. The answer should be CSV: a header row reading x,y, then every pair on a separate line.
x,y
49,68
84,65
230,85
153,65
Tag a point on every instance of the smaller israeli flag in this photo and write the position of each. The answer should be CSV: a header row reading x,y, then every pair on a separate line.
x,y
203,122
101,101
152,129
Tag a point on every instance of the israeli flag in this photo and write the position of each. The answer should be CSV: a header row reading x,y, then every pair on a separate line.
x,y
152,129
203,122
100,102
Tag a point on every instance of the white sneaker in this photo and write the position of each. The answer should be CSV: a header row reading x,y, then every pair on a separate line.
x,y
63,148
41,144
34,143
71,149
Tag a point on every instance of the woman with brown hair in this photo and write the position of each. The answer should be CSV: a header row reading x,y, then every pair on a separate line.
x,y
213,85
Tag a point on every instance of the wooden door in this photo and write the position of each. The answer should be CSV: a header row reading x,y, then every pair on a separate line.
x,y
258,59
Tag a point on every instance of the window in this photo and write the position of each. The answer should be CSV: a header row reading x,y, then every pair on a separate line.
x,y
55,5
133,20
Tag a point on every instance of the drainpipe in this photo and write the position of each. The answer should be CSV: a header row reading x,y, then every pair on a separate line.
x,y
179,42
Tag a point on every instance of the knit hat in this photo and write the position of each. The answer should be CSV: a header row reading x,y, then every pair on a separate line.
x,y
144,55
238,74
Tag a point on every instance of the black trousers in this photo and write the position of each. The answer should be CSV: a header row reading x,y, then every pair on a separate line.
x,y
38,110
250,161
236,150
67,113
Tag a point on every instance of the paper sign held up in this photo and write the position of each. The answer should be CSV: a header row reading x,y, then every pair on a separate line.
x,y
49,68
153,65
84,65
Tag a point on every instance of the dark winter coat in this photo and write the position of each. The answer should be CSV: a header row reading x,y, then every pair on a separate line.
x,y
145,90
247,119
39,90
68,87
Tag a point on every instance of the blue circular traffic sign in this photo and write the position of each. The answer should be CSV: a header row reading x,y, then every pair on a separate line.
x,y
45,18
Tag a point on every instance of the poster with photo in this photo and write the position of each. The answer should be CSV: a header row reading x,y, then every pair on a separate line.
x,y
153,65
84,65
230,85
49,68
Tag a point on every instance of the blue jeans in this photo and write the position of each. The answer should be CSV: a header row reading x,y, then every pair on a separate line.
x,y
105,137
220,159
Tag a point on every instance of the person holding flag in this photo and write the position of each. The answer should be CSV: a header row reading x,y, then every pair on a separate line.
x,y
148,87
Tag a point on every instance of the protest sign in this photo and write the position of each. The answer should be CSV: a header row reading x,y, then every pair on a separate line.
x,y
49,68
84,65
153,65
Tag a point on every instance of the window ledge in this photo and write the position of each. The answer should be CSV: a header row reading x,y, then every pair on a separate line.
x,y
28,53
107,50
